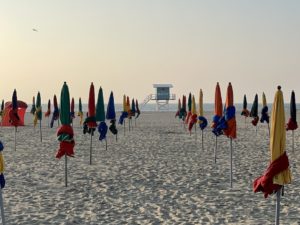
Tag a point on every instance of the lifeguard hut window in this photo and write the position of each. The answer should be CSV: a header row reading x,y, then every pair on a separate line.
x,y
162,91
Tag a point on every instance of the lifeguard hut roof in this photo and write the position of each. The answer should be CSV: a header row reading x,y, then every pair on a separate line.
x,y
162,85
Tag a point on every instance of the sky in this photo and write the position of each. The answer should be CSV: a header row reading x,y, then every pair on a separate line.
x,y
125,46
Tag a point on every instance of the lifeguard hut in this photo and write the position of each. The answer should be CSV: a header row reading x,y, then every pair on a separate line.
x,y
162,96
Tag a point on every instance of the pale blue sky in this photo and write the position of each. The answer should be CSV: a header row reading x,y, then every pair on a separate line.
x,y
126,46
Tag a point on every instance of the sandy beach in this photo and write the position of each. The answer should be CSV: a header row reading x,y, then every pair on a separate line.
x,y
155,174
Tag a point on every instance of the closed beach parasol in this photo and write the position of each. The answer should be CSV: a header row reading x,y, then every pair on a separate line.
x,y
178,108
128,110
133,110
292,123
2,111
189,113
201,119
55,115
218,110
80,112
138,111
278,172
100,117
230,130
48,112
14,118
90,122
111,115
65,133
32,111
193,118
217,117
245,112
264,111
254,111
38,113
183,112
124,113
2,183
72,112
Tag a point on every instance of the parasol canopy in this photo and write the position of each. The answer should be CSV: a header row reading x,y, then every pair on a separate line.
x,y
14,118
65,134
278,172
124,114
100,115
55,115
292,123
111,114
245,112
80,112
137,108
133,110
230,130
48,112
254,111
72,112
178,108
38,111
202,120
264,111
189,114
90,122
32,111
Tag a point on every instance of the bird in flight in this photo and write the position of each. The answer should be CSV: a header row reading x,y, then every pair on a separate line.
x,y
35,30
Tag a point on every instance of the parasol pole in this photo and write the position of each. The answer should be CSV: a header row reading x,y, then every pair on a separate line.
x,y
202,140
41,130
135,122
195,133
269,129
15,138
256,130
277,213
293,140
124,127
105,144
245,122
91,148
216,149
2,207
129,124
231,162
66,170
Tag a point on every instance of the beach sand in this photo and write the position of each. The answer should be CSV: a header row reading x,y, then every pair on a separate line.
x,y
155,174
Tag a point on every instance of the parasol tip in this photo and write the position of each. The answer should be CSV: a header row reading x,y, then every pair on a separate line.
x,y
65,82
279,87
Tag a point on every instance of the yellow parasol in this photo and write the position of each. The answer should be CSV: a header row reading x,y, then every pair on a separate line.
x,y
264,100
200,103
193,110
278,137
